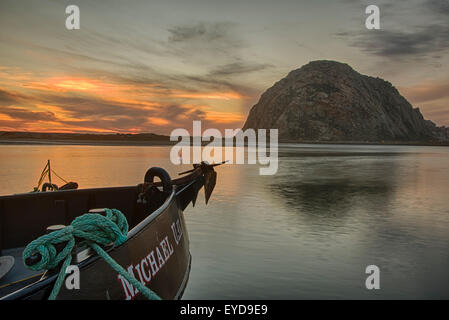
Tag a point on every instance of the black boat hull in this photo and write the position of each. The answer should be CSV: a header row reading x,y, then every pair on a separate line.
x,y
156,252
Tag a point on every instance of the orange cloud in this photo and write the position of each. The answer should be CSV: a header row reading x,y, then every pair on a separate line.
x,y
224,117
432,98
62,114
77,84
208,95
106,106
426,91
158,121
5,117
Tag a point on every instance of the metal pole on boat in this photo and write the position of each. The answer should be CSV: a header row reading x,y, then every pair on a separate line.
x,y
49,171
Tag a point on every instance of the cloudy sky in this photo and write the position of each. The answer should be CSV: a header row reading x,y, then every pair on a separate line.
x,y
156,65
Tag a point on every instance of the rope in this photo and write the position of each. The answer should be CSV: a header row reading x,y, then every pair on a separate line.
x,y
41,179
65,181
95,230
46,172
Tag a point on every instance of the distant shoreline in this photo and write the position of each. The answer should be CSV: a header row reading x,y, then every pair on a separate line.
x,y
95,139
150,139
84,143
373,143
118,143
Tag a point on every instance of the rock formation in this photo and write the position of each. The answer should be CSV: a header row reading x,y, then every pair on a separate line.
x,y
329,101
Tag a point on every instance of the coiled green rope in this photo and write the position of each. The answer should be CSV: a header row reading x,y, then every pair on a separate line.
x,y
95,230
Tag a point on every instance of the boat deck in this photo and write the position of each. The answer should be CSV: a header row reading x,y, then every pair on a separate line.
x,y
19,276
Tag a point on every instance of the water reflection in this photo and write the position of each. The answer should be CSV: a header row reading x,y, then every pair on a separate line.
x,y
334,186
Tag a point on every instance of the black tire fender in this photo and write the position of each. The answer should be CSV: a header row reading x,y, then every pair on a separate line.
x,y
161,174
50,186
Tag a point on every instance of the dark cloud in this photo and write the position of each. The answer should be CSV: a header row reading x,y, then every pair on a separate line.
x,y
28,115
222,77
237,68
117,124
204,43
425,32
166,83
420,42
200,31
8,98
212,82
438,6
176,112
88,106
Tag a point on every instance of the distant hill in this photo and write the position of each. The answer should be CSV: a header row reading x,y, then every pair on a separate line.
x,y
84,138
329,101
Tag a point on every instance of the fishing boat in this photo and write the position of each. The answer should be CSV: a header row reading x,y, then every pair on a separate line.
x,y
50,186
155,253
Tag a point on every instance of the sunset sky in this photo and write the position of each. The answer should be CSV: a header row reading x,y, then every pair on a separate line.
x,y
152,66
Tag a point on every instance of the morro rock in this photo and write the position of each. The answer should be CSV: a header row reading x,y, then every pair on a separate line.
x,y
329,101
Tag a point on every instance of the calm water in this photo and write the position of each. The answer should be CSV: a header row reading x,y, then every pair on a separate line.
x,y
307,232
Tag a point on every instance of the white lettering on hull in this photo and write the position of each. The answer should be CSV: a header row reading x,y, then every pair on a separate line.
x,y
147,268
